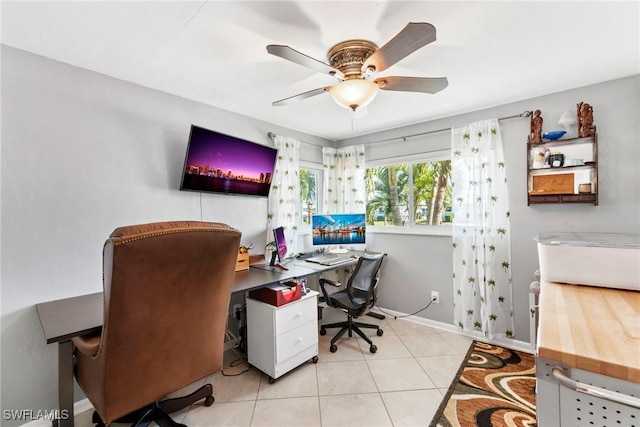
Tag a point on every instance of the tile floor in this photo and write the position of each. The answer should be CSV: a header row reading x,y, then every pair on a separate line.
x,y
402,384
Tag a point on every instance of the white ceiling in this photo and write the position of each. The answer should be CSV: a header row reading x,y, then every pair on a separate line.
x,y
214,51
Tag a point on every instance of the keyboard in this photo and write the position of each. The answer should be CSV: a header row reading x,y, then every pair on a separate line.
x,y
330,259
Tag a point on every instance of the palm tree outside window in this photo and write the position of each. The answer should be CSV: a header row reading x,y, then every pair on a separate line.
x,y
308,194
409,194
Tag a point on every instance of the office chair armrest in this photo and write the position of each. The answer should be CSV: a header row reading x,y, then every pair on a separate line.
x,y
87,344
325,295
329,282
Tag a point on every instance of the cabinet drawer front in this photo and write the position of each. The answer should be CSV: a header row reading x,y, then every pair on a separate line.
x,y
294,314
295,341
543,199
579,198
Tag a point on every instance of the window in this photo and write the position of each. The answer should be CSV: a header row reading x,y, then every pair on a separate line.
x,y
309,193
409,194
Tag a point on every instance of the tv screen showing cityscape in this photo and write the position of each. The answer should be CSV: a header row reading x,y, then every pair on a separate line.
x,y
338,229
220,163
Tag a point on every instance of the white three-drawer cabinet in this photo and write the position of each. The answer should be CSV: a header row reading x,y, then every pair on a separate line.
x,y
280,339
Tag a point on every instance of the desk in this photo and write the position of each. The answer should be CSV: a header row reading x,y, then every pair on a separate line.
x,y
64,319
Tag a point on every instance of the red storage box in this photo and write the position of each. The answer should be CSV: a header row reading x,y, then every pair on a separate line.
x,y
277,294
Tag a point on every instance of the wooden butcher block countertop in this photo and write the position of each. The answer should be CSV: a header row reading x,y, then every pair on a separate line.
x,y
591,328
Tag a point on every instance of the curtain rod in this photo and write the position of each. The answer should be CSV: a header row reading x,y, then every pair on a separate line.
x,y
524,114
273,135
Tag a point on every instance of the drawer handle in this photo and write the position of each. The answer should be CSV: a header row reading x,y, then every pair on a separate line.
x,y
298,314
611,396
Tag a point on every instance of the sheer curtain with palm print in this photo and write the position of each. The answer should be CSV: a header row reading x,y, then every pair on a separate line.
x,y
481,231
344,188
284,196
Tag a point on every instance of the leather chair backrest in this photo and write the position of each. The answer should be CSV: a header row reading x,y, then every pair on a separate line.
x,y
167,288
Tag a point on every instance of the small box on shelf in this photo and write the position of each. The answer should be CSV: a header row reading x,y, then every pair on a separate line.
x,y
561,183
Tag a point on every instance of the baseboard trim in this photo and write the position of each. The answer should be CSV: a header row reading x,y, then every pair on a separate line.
x,y
503,342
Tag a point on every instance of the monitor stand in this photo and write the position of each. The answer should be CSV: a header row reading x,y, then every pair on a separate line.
x,y
338,251
274,254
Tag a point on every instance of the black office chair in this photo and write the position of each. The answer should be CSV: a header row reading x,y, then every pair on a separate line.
x,y
356,300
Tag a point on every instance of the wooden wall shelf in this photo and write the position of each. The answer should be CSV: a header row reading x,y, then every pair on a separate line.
x,y
561,184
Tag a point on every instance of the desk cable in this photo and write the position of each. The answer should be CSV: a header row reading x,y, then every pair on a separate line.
x,y
405,315
240,362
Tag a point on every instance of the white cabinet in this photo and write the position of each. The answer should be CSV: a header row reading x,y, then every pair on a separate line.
x,y
282,338
597,400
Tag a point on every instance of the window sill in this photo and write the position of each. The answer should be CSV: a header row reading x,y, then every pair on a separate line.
x,y
426,230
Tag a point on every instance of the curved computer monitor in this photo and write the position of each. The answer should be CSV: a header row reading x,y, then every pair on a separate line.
x,y
346,231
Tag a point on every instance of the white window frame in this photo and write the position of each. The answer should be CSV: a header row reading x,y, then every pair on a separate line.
x,y
304,229
412,229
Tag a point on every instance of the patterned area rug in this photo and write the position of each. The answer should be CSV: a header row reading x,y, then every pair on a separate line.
x,y
494,387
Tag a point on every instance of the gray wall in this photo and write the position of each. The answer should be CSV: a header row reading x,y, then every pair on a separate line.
x,y
83,153
420,264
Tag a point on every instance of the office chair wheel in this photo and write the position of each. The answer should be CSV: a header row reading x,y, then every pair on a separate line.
x,y
379,332
208,401
373,348
333,348
95,419
323,331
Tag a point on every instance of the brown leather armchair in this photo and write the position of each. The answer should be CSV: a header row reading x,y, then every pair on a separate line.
x,y
167,287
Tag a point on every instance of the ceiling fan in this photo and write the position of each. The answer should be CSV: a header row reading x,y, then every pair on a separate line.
x,y
355,62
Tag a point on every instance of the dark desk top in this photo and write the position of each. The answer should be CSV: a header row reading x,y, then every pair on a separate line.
x,y
253,278
64,319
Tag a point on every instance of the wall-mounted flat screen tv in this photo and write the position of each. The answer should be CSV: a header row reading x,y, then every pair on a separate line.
x,y
219,163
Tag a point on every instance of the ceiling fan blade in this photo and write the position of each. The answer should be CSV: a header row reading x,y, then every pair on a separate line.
x,y
413,84
412,37
300,58
301,96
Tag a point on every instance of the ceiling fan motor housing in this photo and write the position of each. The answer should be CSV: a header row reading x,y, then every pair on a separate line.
x,y
350,55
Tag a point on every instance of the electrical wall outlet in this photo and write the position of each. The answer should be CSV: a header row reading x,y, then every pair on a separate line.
x,y
435,297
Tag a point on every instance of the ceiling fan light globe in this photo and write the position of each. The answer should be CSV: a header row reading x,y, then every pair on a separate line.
x,y
354,93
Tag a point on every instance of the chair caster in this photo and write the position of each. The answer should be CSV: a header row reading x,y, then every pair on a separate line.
x,y
314,359
379,332
323,331
373,348
95,419
333,348
208,401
